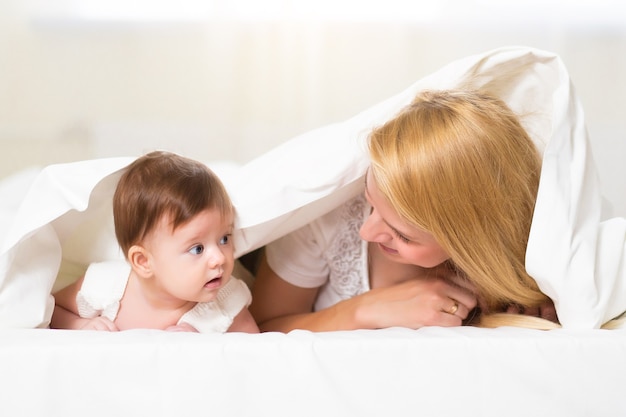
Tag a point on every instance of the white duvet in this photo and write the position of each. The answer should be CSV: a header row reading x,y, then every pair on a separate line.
x,y
64,220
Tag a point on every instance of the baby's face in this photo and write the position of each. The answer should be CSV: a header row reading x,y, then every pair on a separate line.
x,y
195,260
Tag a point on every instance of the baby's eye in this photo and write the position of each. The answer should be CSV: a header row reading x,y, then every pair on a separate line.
x,y
225,239
197,250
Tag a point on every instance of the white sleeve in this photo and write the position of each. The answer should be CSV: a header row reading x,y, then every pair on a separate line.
x,y
103,287
298,258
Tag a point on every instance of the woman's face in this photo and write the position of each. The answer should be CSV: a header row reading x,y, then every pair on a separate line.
x,y
395,238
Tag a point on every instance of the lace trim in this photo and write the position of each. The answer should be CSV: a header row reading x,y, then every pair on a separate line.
x,y
345,254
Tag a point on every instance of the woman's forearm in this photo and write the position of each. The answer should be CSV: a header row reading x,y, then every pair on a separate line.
x,y
341,316
315,322
412,304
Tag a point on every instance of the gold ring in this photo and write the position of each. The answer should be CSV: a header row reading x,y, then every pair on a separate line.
x,y
454,308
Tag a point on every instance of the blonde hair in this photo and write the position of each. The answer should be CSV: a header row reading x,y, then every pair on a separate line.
x,y
460,165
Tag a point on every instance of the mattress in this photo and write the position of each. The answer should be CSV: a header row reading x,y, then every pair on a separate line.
x,y
391,372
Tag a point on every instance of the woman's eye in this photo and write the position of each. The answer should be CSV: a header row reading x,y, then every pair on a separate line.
x,y
197,250
401,237
225,239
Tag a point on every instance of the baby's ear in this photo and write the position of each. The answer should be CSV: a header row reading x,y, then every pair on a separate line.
x,y
139,260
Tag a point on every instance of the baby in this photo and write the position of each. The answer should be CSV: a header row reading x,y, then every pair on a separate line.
x,y
173,221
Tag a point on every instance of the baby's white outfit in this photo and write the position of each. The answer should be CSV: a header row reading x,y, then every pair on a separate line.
x,y
105,282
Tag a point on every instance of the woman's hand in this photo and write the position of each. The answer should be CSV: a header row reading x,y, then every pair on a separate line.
x,y
414,304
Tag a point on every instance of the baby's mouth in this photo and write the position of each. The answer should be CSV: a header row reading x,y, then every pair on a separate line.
x,y
212,283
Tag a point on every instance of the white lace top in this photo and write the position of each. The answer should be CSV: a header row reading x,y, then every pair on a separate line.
x,y
327,253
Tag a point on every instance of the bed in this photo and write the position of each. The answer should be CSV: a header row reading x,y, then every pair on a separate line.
x,y
57,220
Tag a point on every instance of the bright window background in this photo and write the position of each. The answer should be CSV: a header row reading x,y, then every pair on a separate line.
x,y
230,79
584,12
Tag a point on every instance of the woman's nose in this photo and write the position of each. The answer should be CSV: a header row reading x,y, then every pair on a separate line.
x,y
374,229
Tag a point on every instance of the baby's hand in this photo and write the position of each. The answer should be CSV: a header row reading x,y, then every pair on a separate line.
x,y
183,327
100,323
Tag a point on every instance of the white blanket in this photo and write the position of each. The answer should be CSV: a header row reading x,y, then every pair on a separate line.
x,y
64,222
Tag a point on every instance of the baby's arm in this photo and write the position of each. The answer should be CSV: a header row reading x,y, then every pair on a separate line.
x,y
182,327
65,315
244,322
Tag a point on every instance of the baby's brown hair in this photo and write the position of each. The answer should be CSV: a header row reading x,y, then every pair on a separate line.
x,y
163,183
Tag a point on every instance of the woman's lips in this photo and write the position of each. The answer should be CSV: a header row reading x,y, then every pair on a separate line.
x,y
387,250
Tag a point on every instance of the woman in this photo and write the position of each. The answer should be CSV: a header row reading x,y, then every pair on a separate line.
x,y
444,223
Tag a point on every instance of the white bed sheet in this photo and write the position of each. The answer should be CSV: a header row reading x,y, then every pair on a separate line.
x,y
395,372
